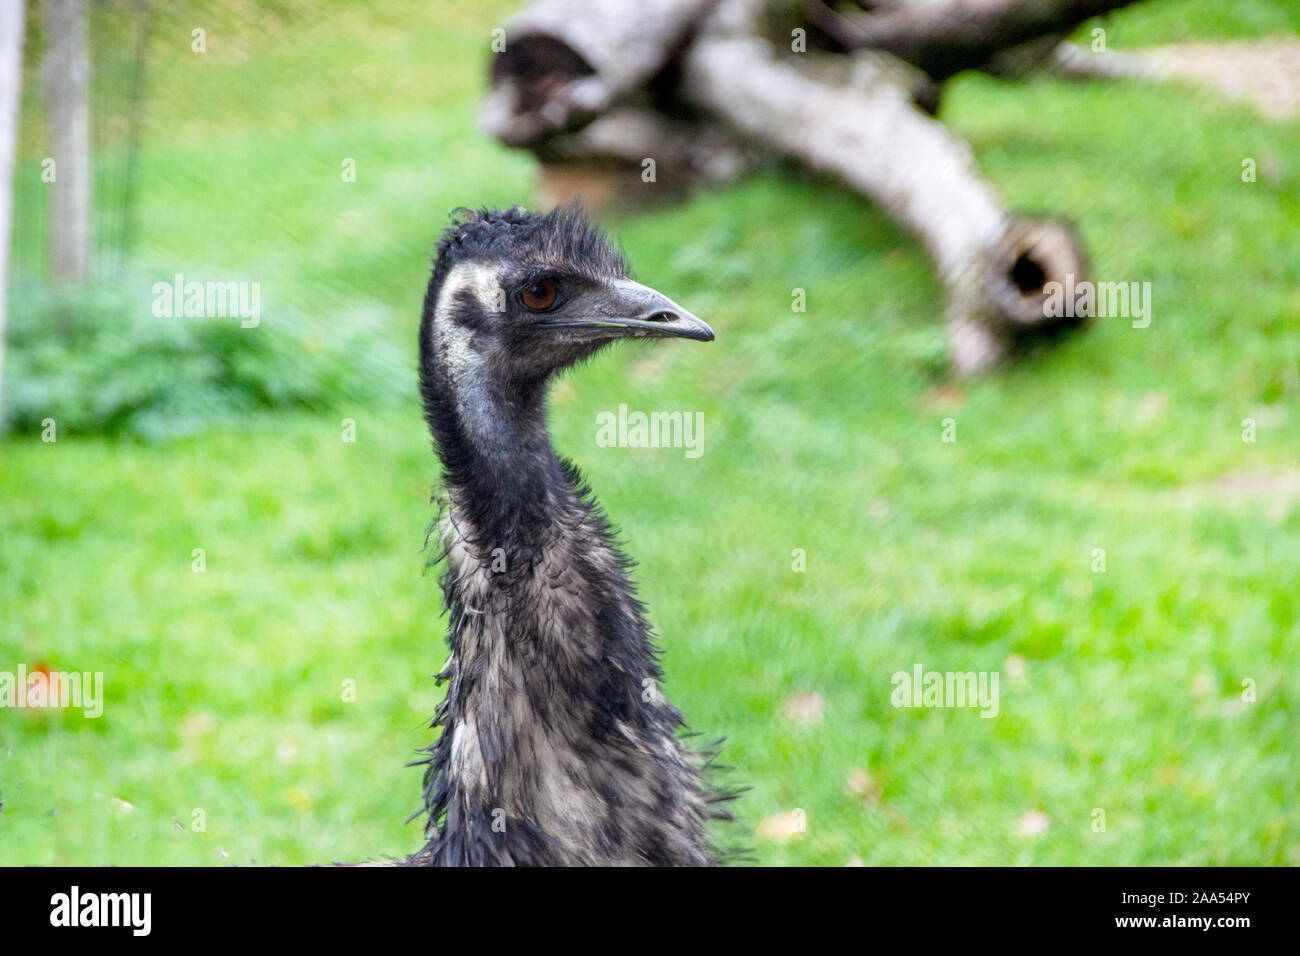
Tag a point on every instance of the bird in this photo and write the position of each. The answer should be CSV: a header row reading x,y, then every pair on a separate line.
x,y
557,745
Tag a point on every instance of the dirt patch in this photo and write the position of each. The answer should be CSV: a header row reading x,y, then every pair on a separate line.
x,y
1264,73
1269,485
1277,491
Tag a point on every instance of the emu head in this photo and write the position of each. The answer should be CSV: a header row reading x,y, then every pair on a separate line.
x,y
517,296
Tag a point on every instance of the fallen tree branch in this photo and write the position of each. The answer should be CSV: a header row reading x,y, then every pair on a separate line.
x,y
869,136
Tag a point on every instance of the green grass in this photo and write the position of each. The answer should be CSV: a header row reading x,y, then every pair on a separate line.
x,y
1120,690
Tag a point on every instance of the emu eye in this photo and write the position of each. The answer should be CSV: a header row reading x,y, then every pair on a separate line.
x,y
539,295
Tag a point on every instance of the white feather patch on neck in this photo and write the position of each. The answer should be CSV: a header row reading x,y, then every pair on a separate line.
x,y
455,343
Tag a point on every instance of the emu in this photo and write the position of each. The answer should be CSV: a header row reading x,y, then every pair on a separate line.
x,y
556,746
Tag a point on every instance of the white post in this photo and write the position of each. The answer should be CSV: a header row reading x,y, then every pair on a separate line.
x,y
66,79
11,81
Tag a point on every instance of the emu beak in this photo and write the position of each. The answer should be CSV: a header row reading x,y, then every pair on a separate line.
x,y
627,309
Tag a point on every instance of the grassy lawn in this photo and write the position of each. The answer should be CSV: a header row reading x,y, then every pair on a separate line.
x,y
1121,690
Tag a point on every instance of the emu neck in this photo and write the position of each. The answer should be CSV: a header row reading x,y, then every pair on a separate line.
x,y
528,552
496,451
553,724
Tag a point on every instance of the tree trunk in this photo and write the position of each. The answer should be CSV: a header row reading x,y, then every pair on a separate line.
x,y
11,78
66,79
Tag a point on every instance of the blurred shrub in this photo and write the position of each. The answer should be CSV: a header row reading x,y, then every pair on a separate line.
x,y
100,361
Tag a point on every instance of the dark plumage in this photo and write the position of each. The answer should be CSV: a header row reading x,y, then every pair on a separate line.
x,y
557,746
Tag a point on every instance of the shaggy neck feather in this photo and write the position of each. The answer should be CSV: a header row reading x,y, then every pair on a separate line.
x,y
556,744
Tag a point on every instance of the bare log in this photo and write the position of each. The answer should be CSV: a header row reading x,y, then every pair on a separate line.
x,y
852,117
567,61
868,135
